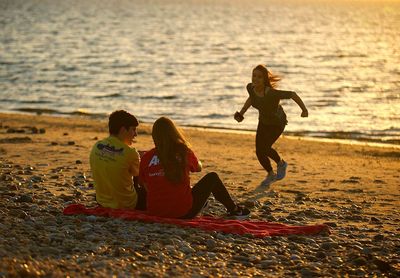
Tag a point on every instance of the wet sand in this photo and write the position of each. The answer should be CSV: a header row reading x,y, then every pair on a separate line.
x,y
355,189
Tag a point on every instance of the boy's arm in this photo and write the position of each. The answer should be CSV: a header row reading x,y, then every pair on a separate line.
x,y
134,163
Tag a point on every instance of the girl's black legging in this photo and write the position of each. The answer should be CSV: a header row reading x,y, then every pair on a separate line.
x,y
265,138
210,183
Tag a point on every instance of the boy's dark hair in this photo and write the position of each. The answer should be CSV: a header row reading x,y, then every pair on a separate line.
x,y
121,118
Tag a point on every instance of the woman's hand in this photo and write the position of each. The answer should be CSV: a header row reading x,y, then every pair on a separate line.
x,y
238,117
199,166
304,114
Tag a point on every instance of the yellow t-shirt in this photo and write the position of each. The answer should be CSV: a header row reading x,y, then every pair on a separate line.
x,y
113,165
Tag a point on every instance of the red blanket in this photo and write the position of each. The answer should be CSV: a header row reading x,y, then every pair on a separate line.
x,y
207,223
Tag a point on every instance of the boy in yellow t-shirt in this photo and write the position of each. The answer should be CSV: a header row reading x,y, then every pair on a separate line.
x,y
114,165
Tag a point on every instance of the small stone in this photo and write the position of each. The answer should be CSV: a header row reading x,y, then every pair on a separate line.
x,y
34,130
118,251
240,258
6,177
78,162
331,224
71,143
36,179
329,245
24,199
210,244
360,261
14,186
320,255
77,193
187,249
139,256
350,181
375,220
306,272
16,140
48,250
19,213
91,218
42,130
336,261
379,237
367,251
382,265
268,263
358,247
252,204
295,258
67,198
379,181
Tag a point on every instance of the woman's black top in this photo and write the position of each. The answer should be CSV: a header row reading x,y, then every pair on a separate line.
x,y
270,111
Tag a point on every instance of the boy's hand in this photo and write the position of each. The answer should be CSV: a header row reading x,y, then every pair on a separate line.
x,y
304,114
238,117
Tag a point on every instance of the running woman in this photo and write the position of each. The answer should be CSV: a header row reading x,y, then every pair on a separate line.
x,y
264,96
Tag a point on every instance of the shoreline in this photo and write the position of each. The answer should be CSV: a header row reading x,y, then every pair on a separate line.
x,y
305,138
288,134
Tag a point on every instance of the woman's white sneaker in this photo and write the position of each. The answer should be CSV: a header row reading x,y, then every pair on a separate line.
x,y
271,177
281,171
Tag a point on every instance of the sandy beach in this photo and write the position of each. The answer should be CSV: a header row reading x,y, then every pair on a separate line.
x,y
355,189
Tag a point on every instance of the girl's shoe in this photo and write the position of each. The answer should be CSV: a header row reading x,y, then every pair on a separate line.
x,y
239,213
281,171
271,177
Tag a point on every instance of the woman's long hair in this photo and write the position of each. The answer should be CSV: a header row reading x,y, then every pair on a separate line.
x,y
172,148
270,79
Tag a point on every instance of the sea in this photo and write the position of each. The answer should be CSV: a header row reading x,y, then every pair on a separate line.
x,y
191,60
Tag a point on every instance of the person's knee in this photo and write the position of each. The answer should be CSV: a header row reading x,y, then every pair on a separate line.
x,y
212,176
269,151
261,153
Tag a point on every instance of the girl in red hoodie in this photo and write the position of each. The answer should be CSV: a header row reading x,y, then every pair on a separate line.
x,y
164,171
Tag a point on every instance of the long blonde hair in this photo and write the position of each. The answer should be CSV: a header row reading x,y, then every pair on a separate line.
x,y
270,79
171,147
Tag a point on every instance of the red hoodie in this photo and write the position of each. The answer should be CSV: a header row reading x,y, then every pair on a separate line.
x,y
165,198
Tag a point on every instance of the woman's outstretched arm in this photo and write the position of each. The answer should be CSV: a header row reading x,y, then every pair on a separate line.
x,y
246,106
300,103
239,115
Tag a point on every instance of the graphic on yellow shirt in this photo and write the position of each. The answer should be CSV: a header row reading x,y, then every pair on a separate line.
x,y
113,165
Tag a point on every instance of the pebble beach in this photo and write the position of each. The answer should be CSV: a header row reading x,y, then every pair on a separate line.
x,y
44,166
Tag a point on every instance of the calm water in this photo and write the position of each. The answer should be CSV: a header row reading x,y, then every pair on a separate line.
x,y
192,59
